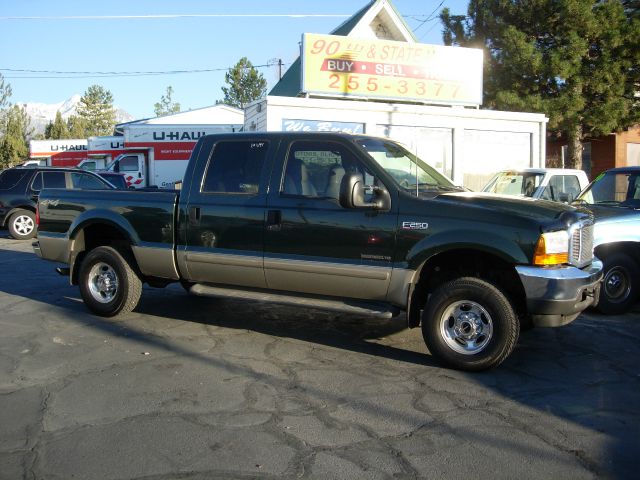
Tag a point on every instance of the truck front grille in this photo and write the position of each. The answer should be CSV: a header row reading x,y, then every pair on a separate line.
x,y
581,244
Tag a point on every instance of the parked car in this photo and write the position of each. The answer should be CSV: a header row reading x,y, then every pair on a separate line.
x,y
325,220
116,179
614,198
20,188
557,184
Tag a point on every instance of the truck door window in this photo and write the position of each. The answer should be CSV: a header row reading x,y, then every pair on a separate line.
x,y
562,188
129,164
235,167
315,169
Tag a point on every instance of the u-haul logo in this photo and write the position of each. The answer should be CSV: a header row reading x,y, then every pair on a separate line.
x,y
176,136
415,225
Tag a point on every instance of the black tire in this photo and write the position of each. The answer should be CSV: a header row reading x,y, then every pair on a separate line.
x,y
468,324
22,225
108,284
620,288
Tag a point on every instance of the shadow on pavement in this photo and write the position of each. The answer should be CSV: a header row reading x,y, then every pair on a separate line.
x,y
574,372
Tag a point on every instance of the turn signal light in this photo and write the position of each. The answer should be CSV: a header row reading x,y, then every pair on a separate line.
x,y
552,249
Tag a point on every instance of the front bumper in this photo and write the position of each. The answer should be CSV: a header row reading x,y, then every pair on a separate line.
x,y
556,296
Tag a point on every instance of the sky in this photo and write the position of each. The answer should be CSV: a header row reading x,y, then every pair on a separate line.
x,y
195,36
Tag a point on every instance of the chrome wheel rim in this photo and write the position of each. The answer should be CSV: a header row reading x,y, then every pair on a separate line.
x,y
103,282
23,225
466,327
616,284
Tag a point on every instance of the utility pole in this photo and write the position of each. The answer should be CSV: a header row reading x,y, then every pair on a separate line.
x,y
277,61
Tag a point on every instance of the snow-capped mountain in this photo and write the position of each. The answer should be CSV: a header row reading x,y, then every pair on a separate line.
x,y
43,113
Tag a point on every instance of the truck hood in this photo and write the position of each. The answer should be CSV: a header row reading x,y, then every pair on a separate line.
x,y
608,214
549,215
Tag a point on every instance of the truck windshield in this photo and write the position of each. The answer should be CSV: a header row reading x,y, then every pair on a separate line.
x,y
409,172
613,188
514,183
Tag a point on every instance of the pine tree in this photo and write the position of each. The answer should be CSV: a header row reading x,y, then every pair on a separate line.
x,y
14,147
77,127
246,84
5,93
574,60
166,106
57,129
96,109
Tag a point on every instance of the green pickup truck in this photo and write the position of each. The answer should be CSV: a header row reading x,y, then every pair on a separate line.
x,y
333,221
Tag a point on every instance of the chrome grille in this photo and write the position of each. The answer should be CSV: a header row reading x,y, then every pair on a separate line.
x,y
581,244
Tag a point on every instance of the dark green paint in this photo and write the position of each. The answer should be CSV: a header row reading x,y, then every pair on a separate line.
x,y
311,229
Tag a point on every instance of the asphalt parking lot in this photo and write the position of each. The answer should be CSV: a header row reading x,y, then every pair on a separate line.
x,y
199,388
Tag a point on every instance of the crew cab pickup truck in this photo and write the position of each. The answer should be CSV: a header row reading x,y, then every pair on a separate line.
x,y
335,221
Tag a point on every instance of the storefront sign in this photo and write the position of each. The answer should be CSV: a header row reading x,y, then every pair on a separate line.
x,y
320,126
333,65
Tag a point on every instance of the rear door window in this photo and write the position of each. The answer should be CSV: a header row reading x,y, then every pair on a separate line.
x,y
86,181
235,167
54,180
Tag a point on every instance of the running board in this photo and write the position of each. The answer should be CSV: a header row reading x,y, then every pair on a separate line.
x,y
354,307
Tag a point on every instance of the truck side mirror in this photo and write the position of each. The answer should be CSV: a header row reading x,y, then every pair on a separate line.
x,y
352,191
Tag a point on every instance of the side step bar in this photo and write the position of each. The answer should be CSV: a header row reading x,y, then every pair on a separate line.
x,y
324,303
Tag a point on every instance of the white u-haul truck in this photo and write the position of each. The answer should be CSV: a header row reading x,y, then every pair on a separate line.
x,y
57,153
147,155
157,155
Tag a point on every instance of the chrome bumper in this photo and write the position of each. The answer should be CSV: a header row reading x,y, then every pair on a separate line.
x,y
556,296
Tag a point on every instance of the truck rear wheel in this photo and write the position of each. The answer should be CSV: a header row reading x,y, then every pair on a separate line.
x,y
108,284
469,324
620,288
22,225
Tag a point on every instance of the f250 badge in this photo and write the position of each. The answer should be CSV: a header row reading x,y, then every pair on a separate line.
x,y
415,225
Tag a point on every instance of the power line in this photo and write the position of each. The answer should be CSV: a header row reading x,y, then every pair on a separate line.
x,y
52,74
165,16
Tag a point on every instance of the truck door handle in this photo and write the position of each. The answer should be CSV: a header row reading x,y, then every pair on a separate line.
x,y
194,215
274,220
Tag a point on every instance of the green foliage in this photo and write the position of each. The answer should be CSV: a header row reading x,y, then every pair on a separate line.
x,y
14,147
5,93
574,60
166,106
96,111
76,126
246,84
57,129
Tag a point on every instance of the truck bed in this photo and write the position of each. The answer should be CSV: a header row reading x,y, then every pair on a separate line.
x,y
146,219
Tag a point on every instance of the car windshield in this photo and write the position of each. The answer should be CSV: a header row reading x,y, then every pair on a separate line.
x,y
613,188
514,183
409,172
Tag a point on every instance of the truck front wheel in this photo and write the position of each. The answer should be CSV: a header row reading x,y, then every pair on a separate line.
x,y
108,283
469,324
620,287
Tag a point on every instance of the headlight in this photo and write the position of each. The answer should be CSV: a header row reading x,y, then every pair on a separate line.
x,y
552,249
